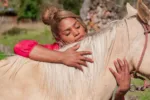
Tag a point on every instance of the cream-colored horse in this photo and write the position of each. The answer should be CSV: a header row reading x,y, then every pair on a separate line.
x,y
25,79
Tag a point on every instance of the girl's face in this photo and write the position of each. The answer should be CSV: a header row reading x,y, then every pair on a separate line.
x,y
70,30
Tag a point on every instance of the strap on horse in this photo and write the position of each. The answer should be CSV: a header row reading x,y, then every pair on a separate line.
x,y
146,31
142,88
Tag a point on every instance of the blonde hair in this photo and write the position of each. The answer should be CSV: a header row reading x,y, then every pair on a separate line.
x,y
53,15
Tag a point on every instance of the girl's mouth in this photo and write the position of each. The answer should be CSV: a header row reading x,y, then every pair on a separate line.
x,y
80,38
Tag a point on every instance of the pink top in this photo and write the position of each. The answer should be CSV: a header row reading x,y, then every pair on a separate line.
x,y
24,47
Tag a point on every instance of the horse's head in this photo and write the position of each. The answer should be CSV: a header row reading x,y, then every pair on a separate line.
x,y
143,12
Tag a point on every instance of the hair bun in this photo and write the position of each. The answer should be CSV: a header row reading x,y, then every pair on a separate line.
x,y
48,15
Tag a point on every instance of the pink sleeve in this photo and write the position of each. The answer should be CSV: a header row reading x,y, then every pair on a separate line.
x,y
54,46
24,47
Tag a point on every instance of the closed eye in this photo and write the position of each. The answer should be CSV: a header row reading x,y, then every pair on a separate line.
x,y
67,33
77,26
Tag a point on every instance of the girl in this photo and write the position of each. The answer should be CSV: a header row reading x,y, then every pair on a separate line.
x,y
67,28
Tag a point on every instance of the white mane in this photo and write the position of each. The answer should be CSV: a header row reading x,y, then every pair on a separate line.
x,y
70,81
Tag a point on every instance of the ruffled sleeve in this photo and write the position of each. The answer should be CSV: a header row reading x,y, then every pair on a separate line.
x,y
54,46
24,47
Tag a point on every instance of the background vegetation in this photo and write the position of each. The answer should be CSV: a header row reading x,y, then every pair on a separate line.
x,y
32,8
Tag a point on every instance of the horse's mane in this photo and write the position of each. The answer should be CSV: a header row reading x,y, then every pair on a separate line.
x,y
99,44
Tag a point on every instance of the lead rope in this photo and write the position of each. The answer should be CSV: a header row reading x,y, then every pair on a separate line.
x,y
114,92
146,31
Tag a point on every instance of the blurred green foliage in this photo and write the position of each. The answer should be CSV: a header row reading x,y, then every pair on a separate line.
x,y
43,37
32,8
29,9
15,31
72,5
2,55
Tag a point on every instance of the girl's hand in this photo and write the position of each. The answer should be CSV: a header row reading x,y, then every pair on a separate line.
x,y
122,75
73,58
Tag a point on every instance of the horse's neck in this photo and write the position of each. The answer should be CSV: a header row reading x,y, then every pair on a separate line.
x,y
136,35
135,28
127,30
101,43
117,42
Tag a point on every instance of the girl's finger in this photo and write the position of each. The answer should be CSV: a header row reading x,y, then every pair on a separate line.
x,y
87,59
113,72
85,53
76,47
117,67
82,63
121,65
127,66
78,66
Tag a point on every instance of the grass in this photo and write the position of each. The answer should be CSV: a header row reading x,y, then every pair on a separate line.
x,y
2,55
44,37
36,31
139,95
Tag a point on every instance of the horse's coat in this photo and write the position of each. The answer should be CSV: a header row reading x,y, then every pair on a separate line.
x,y
24,79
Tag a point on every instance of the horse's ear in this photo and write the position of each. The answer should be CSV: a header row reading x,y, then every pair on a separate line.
x,y
130,10
143,12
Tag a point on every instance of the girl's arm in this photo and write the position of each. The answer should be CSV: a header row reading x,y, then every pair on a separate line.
x,y
122,77
70,57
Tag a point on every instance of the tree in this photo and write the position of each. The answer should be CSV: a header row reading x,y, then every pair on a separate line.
x,y
72,5
29,9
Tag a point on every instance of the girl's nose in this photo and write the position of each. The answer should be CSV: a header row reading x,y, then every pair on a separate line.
x,y
75,33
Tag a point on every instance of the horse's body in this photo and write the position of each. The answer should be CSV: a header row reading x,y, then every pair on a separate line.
x,y
25,79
